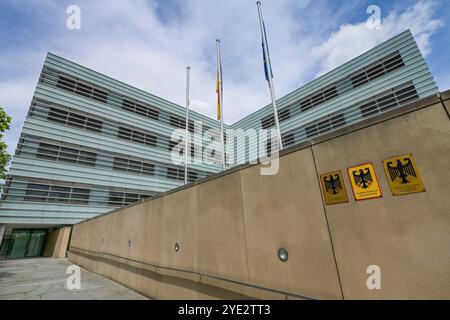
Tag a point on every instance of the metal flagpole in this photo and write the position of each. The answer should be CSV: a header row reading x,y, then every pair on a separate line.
x,y
269,73
220,93
187,128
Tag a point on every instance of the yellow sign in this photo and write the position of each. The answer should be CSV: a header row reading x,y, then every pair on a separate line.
x,y
403,175
333,187
364,182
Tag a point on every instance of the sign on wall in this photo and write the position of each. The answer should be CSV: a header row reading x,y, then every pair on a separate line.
x,y
364,182
403,175
333,187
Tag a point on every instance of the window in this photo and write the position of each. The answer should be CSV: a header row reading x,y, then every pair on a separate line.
x,y
66,83
65,154
181,123
318,97
80,196
178,174
269,148
82,88
47,151
100,95
115,198
57,194
140,109
288,139
271,145
137,136
269,121
119,198
60,194
388,100
87,158
133,166
374,71
58,115
94,124
37,192
325,125
74,119
369,108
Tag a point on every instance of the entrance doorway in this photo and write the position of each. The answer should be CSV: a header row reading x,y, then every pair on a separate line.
x,y
26,243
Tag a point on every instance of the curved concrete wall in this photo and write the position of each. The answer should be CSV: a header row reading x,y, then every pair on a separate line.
x,y
229,227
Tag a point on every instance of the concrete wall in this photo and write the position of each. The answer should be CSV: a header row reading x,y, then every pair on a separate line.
x,y
230,227
56,243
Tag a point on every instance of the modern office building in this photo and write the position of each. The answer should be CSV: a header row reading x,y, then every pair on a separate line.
x,y
91,143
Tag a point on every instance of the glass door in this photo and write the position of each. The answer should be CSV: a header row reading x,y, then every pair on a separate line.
x,y
26,243
36,243
19,244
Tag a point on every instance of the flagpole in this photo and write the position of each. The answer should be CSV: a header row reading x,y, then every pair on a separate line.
x,y
219,70
269,74
187,128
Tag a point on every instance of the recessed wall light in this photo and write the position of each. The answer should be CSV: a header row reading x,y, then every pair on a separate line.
x,y
283,255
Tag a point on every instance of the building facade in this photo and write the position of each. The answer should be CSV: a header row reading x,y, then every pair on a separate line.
x,y
91,143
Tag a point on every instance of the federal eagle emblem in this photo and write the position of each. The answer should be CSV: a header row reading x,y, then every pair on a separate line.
x,y
401,171
363,178
333,184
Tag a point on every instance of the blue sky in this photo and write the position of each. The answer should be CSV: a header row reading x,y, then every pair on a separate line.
x,y
148,44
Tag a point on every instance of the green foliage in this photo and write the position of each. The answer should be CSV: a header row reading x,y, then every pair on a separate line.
x,y
5,122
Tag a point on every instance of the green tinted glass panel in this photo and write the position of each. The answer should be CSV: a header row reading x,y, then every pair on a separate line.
x,y
36,243
4,247
18,245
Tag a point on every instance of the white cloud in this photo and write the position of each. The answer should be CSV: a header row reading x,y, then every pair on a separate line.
x,y
131,43
352,40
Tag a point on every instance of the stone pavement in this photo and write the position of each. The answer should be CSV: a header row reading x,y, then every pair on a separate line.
x,y
45,279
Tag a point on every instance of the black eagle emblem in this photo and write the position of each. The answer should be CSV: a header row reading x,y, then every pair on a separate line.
x,y
333,185
363,178
402,171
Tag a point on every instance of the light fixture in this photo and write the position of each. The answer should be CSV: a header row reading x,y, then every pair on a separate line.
x,y
283,255
177,247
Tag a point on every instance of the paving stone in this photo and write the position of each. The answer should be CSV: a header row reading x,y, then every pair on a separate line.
x,y
45,279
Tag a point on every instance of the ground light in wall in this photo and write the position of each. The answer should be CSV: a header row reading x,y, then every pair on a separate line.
x,y
283,255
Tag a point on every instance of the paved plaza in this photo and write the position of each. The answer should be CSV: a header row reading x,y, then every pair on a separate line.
x,y
45,279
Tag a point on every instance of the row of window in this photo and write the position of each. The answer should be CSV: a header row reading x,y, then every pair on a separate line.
x,y
87,122
67,193
88,90
366,74
372,106
55,152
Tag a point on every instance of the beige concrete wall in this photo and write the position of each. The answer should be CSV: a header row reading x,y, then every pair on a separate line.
x,y
407,236
56,243
229,228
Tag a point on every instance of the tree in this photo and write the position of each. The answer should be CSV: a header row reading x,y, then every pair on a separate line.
x,y
5,121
